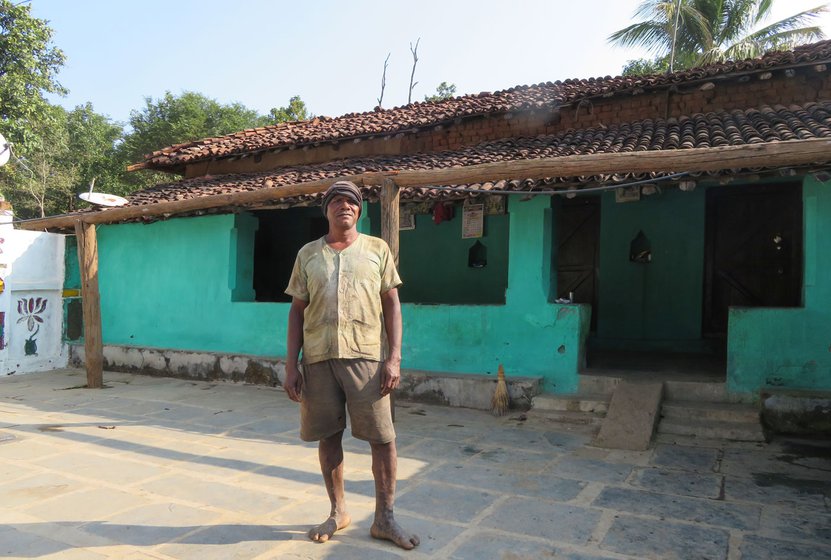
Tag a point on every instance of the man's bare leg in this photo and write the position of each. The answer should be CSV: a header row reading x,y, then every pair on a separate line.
x,y
384,467
330,453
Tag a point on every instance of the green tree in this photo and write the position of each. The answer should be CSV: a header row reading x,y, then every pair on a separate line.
x,y
67,151
689,33
644,66
28,67
176,119
188,117
93,148
40,182
296,110
443,91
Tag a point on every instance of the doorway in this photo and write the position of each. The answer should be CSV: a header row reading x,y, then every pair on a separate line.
x,y
578,251
753,249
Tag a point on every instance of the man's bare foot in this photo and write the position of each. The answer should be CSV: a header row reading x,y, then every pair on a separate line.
x,y
387,528
325,530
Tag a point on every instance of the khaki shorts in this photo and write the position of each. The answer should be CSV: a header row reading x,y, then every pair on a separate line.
x,y
333,385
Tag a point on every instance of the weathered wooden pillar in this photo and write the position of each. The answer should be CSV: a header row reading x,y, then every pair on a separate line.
x,y
389,233
93,343
390,214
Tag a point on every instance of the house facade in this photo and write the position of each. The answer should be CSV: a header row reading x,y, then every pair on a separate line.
x,y
594,266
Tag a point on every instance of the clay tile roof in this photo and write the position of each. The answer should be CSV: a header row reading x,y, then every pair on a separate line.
x,y
737,127
423,114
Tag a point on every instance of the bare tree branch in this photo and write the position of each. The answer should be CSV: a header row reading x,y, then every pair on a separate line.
x,y
412,74
384,81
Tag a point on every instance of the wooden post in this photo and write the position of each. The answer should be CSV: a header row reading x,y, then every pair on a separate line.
x,y
389,216
389,233
93,344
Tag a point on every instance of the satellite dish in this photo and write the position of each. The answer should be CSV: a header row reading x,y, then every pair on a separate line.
x,y
5,151
101,199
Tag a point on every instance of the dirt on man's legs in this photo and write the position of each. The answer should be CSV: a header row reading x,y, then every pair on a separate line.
x,y
384,469
330,454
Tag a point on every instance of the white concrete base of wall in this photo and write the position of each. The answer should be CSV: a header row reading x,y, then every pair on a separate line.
x,y
463,390
797,412
205,366
14,365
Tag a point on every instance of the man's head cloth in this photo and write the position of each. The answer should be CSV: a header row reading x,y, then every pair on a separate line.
x,y
345,188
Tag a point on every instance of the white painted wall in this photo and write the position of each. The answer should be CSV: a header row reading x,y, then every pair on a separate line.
x,y
32,270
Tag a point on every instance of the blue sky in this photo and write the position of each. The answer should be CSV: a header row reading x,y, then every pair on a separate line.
x,y
331,53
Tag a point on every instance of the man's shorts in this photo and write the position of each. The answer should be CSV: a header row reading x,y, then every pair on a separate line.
x,y
355,383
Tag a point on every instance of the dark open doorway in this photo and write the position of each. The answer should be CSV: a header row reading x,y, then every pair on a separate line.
x,y
578,250
753,251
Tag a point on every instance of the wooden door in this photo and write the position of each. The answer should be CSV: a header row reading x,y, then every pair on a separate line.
x,y
753,251
578,250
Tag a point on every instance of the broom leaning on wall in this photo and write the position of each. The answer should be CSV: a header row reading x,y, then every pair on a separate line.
x,y
501,399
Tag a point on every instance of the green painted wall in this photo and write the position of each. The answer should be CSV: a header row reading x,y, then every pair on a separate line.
x,y
171,284
72,268
790,347
434,261
527,334
656,304
73,323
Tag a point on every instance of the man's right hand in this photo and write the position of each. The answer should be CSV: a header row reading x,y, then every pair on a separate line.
x,y
293,383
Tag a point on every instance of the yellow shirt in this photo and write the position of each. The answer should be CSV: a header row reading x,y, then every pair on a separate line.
x,y
344,318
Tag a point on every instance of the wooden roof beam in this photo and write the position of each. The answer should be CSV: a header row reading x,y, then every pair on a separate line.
x,y
767,155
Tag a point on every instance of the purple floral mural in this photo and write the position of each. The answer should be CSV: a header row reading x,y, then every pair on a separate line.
x,y
30,310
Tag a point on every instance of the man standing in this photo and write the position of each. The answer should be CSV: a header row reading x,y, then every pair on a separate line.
x,y
344,290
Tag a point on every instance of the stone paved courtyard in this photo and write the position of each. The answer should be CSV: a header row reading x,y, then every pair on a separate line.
x,y
152,468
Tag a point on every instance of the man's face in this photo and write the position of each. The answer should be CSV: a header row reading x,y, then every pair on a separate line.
x,y
342,212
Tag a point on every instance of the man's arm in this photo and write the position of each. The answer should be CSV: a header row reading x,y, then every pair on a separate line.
x,y
391,375
294,343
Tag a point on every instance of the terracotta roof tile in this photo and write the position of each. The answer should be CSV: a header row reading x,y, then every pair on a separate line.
x,y
421,114
752,126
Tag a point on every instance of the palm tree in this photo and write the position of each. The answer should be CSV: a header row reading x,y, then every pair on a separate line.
x,y
685,33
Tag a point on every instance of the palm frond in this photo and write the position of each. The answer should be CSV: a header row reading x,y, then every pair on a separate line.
x,y
647,34
794,28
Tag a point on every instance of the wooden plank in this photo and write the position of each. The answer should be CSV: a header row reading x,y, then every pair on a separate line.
x,y
633,414
91,304
768,155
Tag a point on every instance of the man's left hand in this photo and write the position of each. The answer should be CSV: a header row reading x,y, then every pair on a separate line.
x,y
390,375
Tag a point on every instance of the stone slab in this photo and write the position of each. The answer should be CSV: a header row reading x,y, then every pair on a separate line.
x,y
511,480
696,459
763,548
492,544
442,501
710,512
557,522
680,483
647,538
632,416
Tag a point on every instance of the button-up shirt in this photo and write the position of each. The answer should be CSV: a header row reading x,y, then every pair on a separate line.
x,y
344,318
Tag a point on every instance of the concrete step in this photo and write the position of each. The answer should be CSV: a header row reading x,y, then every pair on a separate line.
x,y
712,429
703,391
574,417
694,441
716,411
574,403
598,384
